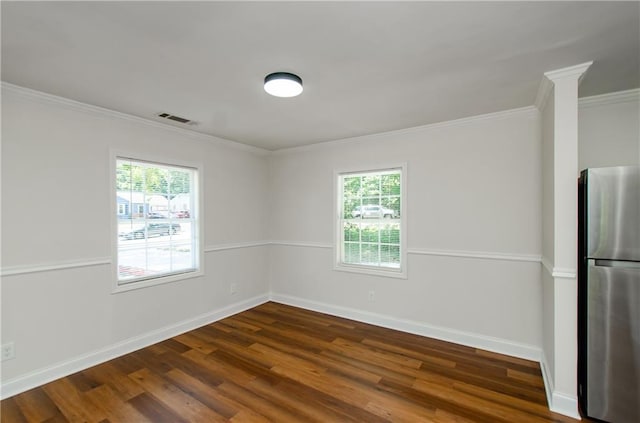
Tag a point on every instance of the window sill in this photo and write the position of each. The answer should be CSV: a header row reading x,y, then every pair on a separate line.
x,y
161,280
372,271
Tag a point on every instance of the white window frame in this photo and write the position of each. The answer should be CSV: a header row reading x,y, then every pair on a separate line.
x,y
197,190
401,272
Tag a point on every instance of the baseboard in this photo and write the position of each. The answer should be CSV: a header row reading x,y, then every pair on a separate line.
x,y
565,404
547,378
558,402
45,375
501,346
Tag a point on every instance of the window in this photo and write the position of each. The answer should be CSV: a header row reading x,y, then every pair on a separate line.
x,y
155,245
370,224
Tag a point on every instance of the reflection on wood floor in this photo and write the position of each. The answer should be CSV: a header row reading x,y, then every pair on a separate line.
x,y
276,363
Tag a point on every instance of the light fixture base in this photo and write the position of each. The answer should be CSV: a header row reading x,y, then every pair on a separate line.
x,y
283,84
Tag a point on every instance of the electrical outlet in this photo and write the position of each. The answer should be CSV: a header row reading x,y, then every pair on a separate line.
x,y
233,288
8,351
372,296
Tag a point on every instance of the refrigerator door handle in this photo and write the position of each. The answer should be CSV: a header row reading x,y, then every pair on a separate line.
x,y
615,263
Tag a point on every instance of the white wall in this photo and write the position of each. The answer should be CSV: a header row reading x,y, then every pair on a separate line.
x,y
609,130
548,310
57,305
559,137
477,193
474,188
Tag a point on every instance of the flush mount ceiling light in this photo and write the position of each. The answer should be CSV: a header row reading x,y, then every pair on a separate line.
x,y
283,84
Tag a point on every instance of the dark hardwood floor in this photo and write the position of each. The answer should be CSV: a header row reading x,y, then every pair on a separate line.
x,y
276,363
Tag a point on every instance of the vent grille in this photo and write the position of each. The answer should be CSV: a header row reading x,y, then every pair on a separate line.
x,y
175,118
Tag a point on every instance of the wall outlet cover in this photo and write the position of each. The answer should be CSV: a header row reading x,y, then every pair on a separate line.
x,y
8,351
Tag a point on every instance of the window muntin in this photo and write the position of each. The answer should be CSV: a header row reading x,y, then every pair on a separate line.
x,y
157,236
370,222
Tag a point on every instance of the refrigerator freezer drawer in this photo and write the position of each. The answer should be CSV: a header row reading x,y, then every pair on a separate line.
x,y
613,343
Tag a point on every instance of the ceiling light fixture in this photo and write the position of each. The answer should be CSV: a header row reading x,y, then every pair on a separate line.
x,y
283,84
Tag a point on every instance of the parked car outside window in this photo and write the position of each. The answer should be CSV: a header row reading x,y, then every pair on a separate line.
x,y
181,214
156,215
372,211
152,229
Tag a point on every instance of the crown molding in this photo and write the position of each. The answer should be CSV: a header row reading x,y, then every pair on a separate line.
x,y
544,90
101,111
547,82
576,71
627,96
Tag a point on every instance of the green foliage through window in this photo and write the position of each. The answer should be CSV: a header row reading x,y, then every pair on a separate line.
x,y
157,222
371,211
152,179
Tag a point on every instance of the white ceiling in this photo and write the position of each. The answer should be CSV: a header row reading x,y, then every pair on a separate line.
x,y
367,67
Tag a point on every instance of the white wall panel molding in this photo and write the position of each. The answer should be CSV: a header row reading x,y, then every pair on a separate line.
x,y
96,110
99,261
235,245
302,244
558,272
528,110
53,266
610,98
41,376
502,346
547,265
486,255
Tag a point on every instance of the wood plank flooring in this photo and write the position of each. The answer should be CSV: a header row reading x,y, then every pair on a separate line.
x,y
276,363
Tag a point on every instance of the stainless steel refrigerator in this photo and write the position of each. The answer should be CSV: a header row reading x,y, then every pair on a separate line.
x,y
609,294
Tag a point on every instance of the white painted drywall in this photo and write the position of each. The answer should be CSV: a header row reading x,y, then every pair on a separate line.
x,y
473,185
559,130
609,130
56,209
546,131
482,186
565,177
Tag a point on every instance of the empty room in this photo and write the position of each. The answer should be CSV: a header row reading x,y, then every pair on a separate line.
x,y
318,211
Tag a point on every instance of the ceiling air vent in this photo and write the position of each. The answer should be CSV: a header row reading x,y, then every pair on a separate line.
x,y
176,118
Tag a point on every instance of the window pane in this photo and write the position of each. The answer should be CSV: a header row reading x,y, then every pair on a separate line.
x,y
351,196
370,233
371,186
374,199
351,252
156,222
351,232
390,234
390,256
390,184
370,254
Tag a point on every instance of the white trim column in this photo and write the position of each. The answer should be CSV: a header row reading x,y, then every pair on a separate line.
x,y
563,350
